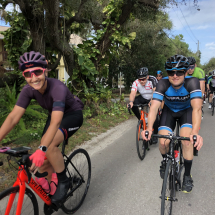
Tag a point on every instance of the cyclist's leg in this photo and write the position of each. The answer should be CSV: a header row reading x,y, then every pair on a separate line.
x,y
187,148
71,122
167,125
138,100
210,95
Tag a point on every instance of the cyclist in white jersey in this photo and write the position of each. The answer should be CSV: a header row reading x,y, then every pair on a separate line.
x,y
145,85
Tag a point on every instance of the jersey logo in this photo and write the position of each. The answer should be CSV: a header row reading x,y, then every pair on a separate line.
x,y
178,98
148,87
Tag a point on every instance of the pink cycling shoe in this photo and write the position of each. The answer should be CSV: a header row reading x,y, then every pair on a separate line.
x,y
43,183
53,184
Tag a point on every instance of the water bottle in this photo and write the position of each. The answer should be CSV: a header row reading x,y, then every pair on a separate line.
x,y
176,152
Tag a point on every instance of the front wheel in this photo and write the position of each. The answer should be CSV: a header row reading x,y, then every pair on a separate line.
x,y
213,101
140,143
29,205
78,167
167,190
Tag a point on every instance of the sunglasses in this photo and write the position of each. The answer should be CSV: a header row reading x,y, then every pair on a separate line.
x,y
178,73
191,67
142,79
36,72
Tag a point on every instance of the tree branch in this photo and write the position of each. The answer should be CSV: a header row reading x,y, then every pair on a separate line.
x,y
55,65
77,17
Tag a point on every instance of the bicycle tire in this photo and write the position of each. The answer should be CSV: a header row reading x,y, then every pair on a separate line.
x,y
29,198
167,189
140,143
213,107
81,160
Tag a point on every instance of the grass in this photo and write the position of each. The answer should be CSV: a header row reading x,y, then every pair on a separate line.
x,y
90,128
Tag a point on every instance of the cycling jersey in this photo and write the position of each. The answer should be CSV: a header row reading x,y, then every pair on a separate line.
x,y
177,99
147,90
211,81
198,73
56,97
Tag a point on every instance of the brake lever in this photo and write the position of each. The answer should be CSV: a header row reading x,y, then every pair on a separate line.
x,y
129,108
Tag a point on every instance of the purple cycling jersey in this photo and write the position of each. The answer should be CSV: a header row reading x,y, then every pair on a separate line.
x,y
56,97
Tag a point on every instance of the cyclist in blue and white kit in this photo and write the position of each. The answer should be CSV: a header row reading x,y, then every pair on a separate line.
x,y
183,101
159,75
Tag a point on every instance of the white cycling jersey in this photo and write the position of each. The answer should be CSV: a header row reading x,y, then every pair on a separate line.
x,y
145,91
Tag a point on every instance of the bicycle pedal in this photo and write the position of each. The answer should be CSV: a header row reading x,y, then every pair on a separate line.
x,y
148,149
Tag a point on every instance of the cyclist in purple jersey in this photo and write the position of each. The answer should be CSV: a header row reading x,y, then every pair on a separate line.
x,y
65,118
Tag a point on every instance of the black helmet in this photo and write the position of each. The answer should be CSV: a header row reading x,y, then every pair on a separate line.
x,y
142,72
177,62
32,59
191,60
210,73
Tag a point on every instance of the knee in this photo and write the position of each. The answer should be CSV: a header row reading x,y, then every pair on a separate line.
x,y
162,144
187,144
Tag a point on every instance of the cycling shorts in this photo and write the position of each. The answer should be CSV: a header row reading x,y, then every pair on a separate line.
x,y
168,119
70,123
140,100
212,89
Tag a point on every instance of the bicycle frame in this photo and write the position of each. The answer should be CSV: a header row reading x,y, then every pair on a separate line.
x,y
22,178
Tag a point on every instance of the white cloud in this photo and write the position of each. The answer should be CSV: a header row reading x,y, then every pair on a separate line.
x,y
202,27
210,44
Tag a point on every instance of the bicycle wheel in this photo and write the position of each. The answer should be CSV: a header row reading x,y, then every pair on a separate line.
x,y
29,206
212,106
140,143
78,168
167,190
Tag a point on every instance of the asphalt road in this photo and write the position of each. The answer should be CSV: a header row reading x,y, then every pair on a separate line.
x,y
121,184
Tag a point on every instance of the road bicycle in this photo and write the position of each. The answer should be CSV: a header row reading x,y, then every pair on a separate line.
x,y
21,200
142,145
173,173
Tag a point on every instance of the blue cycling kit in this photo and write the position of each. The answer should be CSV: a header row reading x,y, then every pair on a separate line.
x,y
178,99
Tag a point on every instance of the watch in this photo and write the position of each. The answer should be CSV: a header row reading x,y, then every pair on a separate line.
x,y
43,148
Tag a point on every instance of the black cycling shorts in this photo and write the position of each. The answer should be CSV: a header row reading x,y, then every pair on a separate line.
x,y
70,123
212,89
140,100
168,119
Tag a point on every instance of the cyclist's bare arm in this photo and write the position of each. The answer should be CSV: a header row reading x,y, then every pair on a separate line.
x,y
56,118
11,120
152,117
196,121
152,97
202,86
132,97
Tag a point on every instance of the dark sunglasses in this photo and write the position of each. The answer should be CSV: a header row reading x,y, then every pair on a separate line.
x,y
191,67
36,72
142,79
178,73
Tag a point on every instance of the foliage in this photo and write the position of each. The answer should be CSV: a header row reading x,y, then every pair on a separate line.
x,y
210,66
7,104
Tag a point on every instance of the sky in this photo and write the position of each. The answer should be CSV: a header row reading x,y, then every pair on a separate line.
x,y
195,25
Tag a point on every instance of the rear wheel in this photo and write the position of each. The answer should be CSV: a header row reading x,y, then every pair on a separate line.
x,y
167,190
78,168
29,205
140,143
